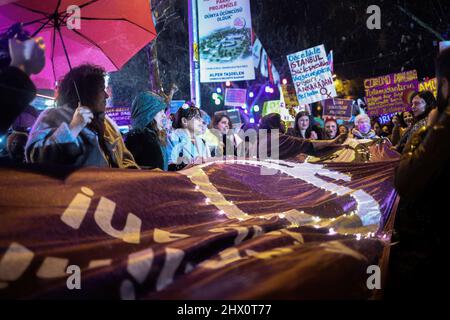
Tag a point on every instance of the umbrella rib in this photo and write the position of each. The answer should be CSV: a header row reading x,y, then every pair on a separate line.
x,y
88,3
57,7
29,9
118,19
41,27
95,45
68,61
64,47
82,5
36,21
53,56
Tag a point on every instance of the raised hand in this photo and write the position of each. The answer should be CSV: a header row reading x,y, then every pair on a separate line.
x,y
29,55
81,118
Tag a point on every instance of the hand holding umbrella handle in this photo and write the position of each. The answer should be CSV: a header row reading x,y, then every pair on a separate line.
x,y
81,118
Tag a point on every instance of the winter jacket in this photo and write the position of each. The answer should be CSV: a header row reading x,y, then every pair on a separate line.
x,y
51,142
146,148
181,150
422,221
409,133
361,136
17,91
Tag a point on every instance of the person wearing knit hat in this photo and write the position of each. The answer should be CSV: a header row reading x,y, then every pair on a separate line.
x,y
148,138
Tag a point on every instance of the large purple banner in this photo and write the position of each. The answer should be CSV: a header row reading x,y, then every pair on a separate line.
x,y
214,231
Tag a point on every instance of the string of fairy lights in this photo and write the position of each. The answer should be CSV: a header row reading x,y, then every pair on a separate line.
x,y
367,211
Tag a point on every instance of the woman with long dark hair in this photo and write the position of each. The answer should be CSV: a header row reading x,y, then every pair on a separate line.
x,y
400,126
421,105
79,133
185,145
223,129
303,127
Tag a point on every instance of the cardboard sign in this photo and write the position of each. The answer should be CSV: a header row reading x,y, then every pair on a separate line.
x,y
312,76
235,97
429,85
290,96
121,115
338,108
271,107
385,94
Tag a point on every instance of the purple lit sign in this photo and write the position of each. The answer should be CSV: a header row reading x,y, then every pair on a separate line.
x,y
121,115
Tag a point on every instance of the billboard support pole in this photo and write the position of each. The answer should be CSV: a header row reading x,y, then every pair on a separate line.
x,y
193,53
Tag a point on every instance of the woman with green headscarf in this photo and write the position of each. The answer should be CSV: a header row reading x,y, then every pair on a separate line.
x,y
148,138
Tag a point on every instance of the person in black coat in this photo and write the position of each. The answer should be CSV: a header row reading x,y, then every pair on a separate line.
x,y
148,138
18,60
17,90
417,260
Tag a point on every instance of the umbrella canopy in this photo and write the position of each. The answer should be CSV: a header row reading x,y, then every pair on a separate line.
x,y
110,33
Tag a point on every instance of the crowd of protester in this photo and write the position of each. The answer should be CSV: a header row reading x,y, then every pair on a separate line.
x,y
79,133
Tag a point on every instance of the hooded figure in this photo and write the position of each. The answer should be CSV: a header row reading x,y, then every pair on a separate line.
x,y
147,139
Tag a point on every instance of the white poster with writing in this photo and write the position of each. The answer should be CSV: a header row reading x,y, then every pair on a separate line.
x,y
311,75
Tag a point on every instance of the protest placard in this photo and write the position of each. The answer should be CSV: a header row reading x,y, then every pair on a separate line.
x,y
289,95
235,97
120,115
311,74
429,85
338,108
386,94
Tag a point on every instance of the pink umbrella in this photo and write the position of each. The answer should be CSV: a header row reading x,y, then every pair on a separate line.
x,y
110,33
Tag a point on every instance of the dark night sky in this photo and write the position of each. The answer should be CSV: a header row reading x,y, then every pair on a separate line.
x,y
287,26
